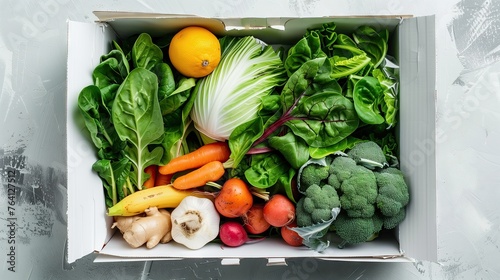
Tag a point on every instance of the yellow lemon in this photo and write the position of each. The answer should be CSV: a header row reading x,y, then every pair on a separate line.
x,y
194,51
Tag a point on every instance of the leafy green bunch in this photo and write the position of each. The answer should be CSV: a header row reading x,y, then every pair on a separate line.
x,y
341,90
135,112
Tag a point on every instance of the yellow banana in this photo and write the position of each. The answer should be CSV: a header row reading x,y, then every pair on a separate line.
x,y
165,196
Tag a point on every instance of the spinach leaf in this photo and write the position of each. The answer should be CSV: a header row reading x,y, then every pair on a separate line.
x,y
243,137
98,123
178,96
292,148
166,82
287,183
175,110
137,119
390,86
343,67
266,169
372,42
109,74
114,175
109,70
344,144
145,54
367,96
304,50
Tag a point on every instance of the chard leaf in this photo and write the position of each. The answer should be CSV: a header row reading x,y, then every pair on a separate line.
x,y
137,119
324,119
299,82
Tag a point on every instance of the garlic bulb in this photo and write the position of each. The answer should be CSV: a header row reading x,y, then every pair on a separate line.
x,y
195,222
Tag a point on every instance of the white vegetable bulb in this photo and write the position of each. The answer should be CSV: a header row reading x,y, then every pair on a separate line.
x,y
231,94
195,222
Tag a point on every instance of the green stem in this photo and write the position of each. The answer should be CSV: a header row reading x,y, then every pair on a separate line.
x,y
113,189
129,186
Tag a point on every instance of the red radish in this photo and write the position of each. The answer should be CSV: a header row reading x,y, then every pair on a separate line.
x,y
254,220
279,211
291,237
233,234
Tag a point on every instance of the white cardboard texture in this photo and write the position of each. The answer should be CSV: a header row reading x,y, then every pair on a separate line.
x,y
89,228
86,43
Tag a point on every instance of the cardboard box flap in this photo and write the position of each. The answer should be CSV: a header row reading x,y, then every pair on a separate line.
x,y
86,44
270,29
418,232
127,24
386,247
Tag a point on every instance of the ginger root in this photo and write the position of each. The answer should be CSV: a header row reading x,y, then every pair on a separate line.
x,y
123,223
153,228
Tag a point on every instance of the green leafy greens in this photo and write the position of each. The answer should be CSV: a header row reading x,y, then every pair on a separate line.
x,y
338,93
135,113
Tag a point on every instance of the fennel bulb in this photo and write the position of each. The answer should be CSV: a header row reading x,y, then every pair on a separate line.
x,y
231,94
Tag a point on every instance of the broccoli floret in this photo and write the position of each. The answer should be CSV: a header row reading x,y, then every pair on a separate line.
x,y
356,230
393,191
342,168
394,221
313,174
316,205
357,187
368,154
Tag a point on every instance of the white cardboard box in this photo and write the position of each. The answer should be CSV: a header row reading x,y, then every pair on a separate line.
x,y
413,39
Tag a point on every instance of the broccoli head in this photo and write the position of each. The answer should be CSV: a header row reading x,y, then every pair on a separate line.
x,y
368,154
357,187
313,174
356,230
393,221
316,205
393,191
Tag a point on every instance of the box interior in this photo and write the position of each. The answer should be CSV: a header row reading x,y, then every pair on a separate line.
x,y
89,229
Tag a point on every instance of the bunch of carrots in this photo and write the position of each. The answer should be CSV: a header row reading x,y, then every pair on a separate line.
x,y
207,162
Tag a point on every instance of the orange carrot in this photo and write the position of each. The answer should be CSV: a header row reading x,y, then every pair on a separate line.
x,y
151,170
211,171
217,151
162,179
